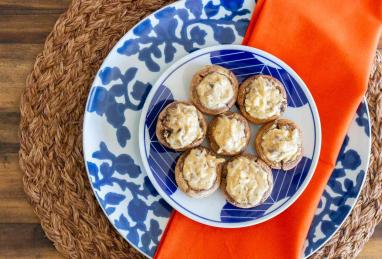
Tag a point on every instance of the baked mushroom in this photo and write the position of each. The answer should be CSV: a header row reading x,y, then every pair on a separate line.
x,y
246,181
214,89
181,126
262,99
198,172
228,134
279,144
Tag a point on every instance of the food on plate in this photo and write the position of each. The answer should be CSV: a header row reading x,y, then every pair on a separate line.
x,y
262,98
181,126
246,181
279,144
228,134
214,89
198,172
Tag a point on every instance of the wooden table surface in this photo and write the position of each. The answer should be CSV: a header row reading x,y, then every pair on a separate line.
x,y
24,25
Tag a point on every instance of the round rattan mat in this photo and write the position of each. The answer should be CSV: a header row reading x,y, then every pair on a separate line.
x,y
52,108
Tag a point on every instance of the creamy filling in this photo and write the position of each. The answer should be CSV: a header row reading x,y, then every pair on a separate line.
x,y
229,134
247,182
200,169
263,99
281,144
215,91
182,125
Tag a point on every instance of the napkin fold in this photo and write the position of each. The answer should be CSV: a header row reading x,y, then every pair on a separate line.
x,y
331,45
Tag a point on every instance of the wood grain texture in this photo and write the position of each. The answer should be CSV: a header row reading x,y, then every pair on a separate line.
x,y
25,241
30,5
27,28
16,62
24,25
14,207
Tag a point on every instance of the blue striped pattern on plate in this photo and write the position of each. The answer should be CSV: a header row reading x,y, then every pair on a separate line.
x,y
161,160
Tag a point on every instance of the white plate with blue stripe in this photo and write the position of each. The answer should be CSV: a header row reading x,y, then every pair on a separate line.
x,y
160,161
113,109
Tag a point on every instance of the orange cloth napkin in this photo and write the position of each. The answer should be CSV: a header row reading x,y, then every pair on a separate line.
x,y
331,45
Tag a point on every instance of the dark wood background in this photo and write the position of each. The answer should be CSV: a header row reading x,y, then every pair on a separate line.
x,y
24,24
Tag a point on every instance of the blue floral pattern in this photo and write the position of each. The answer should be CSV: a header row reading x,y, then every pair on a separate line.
x,y
140,204
363,118
342,190
113,168
123,190
192,17
105,103
121,187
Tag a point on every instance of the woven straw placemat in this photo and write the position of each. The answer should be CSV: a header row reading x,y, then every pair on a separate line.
x,y
52,108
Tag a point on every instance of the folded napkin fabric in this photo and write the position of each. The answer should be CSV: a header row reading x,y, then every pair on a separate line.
x,y
331,45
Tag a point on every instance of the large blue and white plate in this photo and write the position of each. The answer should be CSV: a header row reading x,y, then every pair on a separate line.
x,y
159,161
118,94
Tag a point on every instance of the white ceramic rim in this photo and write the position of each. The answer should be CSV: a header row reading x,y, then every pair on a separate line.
x,y
107,60
86,116
315,157
360,189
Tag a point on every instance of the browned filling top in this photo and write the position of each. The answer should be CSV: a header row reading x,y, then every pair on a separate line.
x,y
181,125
